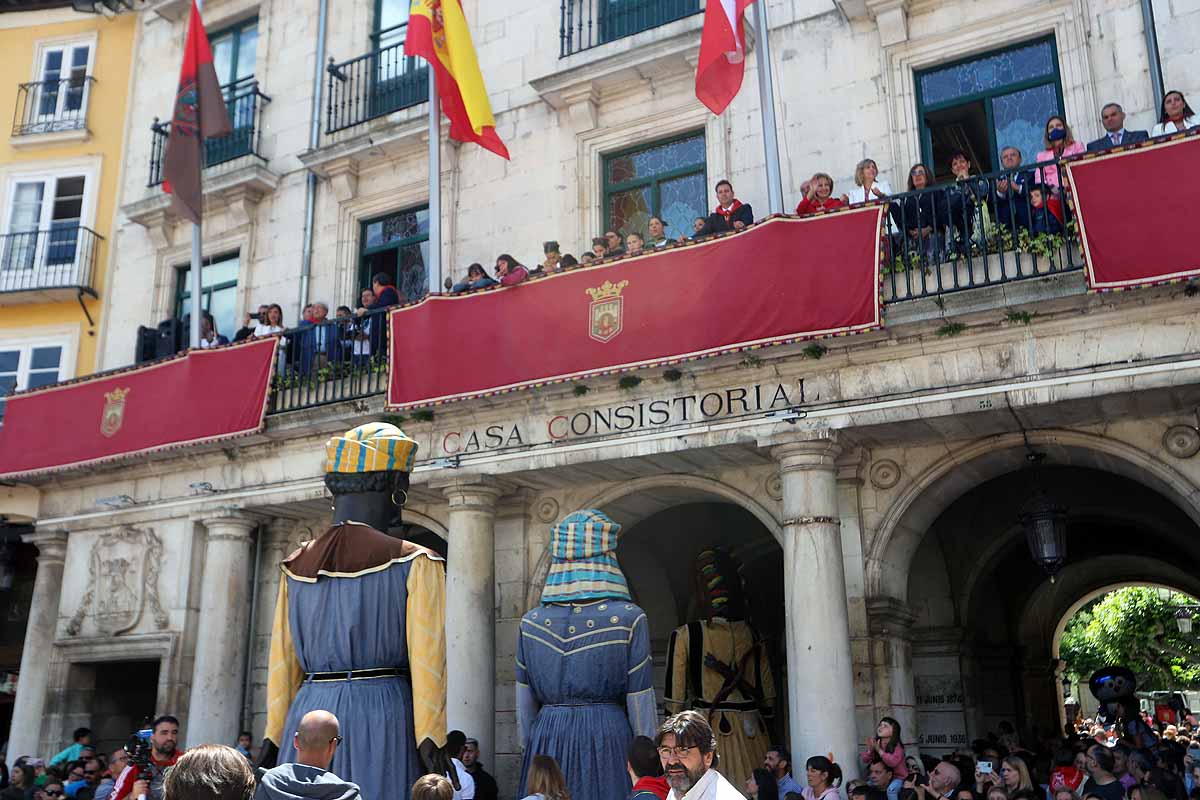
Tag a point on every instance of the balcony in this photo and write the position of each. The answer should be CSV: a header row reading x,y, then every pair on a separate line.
x,y
585,24
373,85
244,102
57,108
51,265
333,362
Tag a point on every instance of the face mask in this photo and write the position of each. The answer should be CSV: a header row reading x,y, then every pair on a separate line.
x,y
1056,135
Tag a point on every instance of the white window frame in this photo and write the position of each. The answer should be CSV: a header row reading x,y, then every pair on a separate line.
x,y
66,338
66,44
87,213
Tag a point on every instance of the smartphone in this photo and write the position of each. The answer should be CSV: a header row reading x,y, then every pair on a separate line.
x,y
985,768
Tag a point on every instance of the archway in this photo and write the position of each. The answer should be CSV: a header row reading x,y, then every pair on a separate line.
x,y
985,614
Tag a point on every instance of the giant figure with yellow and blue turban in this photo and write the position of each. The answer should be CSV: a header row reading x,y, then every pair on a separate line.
x,y
584,676
359,624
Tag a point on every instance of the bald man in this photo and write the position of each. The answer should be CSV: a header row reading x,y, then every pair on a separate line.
x,y
943,782
317,739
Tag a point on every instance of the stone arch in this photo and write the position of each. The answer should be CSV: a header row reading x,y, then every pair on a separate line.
x,y
434,526
916,508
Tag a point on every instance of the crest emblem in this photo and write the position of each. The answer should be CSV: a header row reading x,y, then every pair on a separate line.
x,y
113,415
122,583
605,318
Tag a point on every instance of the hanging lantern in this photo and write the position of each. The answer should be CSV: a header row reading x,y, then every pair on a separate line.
x,y
1183,618
1045,524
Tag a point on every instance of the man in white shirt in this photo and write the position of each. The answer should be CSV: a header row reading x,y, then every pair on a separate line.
x,y
688,750
455,742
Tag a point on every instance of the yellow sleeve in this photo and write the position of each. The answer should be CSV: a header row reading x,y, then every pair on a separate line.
x,y
426,636
284,673
675,696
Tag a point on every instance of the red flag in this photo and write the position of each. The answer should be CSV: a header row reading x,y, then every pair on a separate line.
x,y
199,114
722,53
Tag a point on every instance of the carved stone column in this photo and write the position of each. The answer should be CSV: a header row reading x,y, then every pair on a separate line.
x,y
471,612
219,669
30,704
891,649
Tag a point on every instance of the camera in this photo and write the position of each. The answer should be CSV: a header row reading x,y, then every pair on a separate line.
x,y
985,768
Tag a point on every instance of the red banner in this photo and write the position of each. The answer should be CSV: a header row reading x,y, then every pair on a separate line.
x,y
780,281
203,396
1134,206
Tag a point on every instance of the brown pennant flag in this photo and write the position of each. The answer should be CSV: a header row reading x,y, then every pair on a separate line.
x,y
200,114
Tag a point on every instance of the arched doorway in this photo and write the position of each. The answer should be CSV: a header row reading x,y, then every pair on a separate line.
x,y
986,616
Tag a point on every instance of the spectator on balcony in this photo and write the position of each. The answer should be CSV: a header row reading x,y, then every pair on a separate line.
x,y
698,226
819,196
273,323
386,294
250,322
922,215
587,258
1175,115
318,339
634,243
1059,143
1112,117
307,314
477,278
509,270
208,332
867,184
346,328
658,233
365,301
550,261
731,214
568,261
967,202
1012,203
1045,211
614,245
599,247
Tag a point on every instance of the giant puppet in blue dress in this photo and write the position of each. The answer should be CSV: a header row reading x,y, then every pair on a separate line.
x,y
584,674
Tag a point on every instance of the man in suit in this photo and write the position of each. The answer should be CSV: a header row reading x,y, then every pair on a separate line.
x,y
731,214
1112,116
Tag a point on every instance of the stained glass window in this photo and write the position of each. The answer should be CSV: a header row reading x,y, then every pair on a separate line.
x,y
666,179
398,245
993,71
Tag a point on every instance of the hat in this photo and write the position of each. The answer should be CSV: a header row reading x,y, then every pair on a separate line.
x,y
583,565
373,447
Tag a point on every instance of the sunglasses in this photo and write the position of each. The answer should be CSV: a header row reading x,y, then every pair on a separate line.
x,y
52,792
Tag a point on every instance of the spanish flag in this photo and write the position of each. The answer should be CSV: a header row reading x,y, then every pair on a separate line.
x,y
438,33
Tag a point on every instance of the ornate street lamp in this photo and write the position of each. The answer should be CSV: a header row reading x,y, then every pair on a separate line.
x,y
1045,524
1183,618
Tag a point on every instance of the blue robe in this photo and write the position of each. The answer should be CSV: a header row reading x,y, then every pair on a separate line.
x,y
584,690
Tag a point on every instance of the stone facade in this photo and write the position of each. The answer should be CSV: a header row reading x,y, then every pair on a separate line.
x,y
875,488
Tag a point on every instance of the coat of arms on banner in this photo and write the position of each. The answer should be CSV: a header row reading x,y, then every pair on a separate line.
x,y
122,580
113,415
606,311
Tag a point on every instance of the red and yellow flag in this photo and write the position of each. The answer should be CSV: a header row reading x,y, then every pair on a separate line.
x,y
438,33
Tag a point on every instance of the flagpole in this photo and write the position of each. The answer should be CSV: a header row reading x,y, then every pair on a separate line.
x,y
434,265
766,102
195,281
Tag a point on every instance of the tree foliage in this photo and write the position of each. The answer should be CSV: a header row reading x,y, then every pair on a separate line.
x,y
1134,627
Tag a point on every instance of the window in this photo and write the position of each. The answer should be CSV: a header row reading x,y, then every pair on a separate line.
x,y
400,81
63,75
44,217
987,102
398,245
218,286
234,53
28,365
665,179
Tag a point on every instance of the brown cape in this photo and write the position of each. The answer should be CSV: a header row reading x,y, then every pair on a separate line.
x,y
349,549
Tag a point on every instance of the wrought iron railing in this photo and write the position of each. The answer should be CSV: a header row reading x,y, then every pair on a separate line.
x,y
331,362
64,256
373,85
244,102
584,24
52,106
982,231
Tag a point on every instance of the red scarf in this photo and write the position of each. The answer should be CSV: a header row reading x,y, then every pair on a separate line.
x,y
728,212
657,785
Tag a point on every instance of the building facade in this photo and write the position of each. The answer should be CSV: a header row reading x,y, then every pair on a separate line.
x,y
870,486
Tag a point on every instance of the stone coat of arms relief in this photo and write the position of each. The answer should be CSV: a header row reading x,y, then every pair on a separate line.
x,y
123,573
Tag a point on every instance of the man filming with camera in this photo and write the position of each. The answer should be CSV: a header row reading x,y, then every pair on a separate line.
x,y
145,780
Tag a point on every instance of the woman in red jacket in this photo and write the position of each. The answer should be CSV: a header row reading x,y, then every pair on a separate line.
x,y
819,196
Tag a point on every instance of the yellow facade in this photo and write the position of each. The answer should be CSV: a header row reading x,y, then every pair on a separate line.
x,y
42,158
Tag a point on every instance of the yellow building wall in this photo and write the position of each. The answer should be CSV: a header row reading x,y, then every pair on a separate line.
x,y
106,111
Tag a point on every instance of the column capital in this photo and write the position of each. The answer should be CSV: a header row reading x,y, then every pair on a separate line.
x,y
228,523
889,616
477,494
800,455
51,545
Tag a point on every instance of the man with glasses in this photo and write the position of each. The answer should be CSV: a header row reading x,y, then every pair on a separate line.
x,y
53,790
309,778
688,750
116,764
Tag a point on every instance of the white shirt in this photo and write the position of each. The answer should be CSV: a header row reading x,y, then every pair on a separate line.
x,y
711,786
860,195
262,329
465,781
1163,128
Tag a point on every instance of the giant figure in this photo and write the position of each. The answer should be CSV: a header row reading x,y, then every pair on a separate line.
x,y
359,625
719,666
584,675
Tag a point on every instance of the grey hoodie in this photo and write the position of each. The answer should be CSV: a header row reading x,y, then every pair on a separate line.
x,y
302,782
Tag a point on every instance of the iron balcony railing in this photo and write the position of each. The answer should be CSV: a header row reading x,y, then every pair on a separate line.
x,y
244,102
52,106
332,362
64,256
584,24
981,231
373,85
